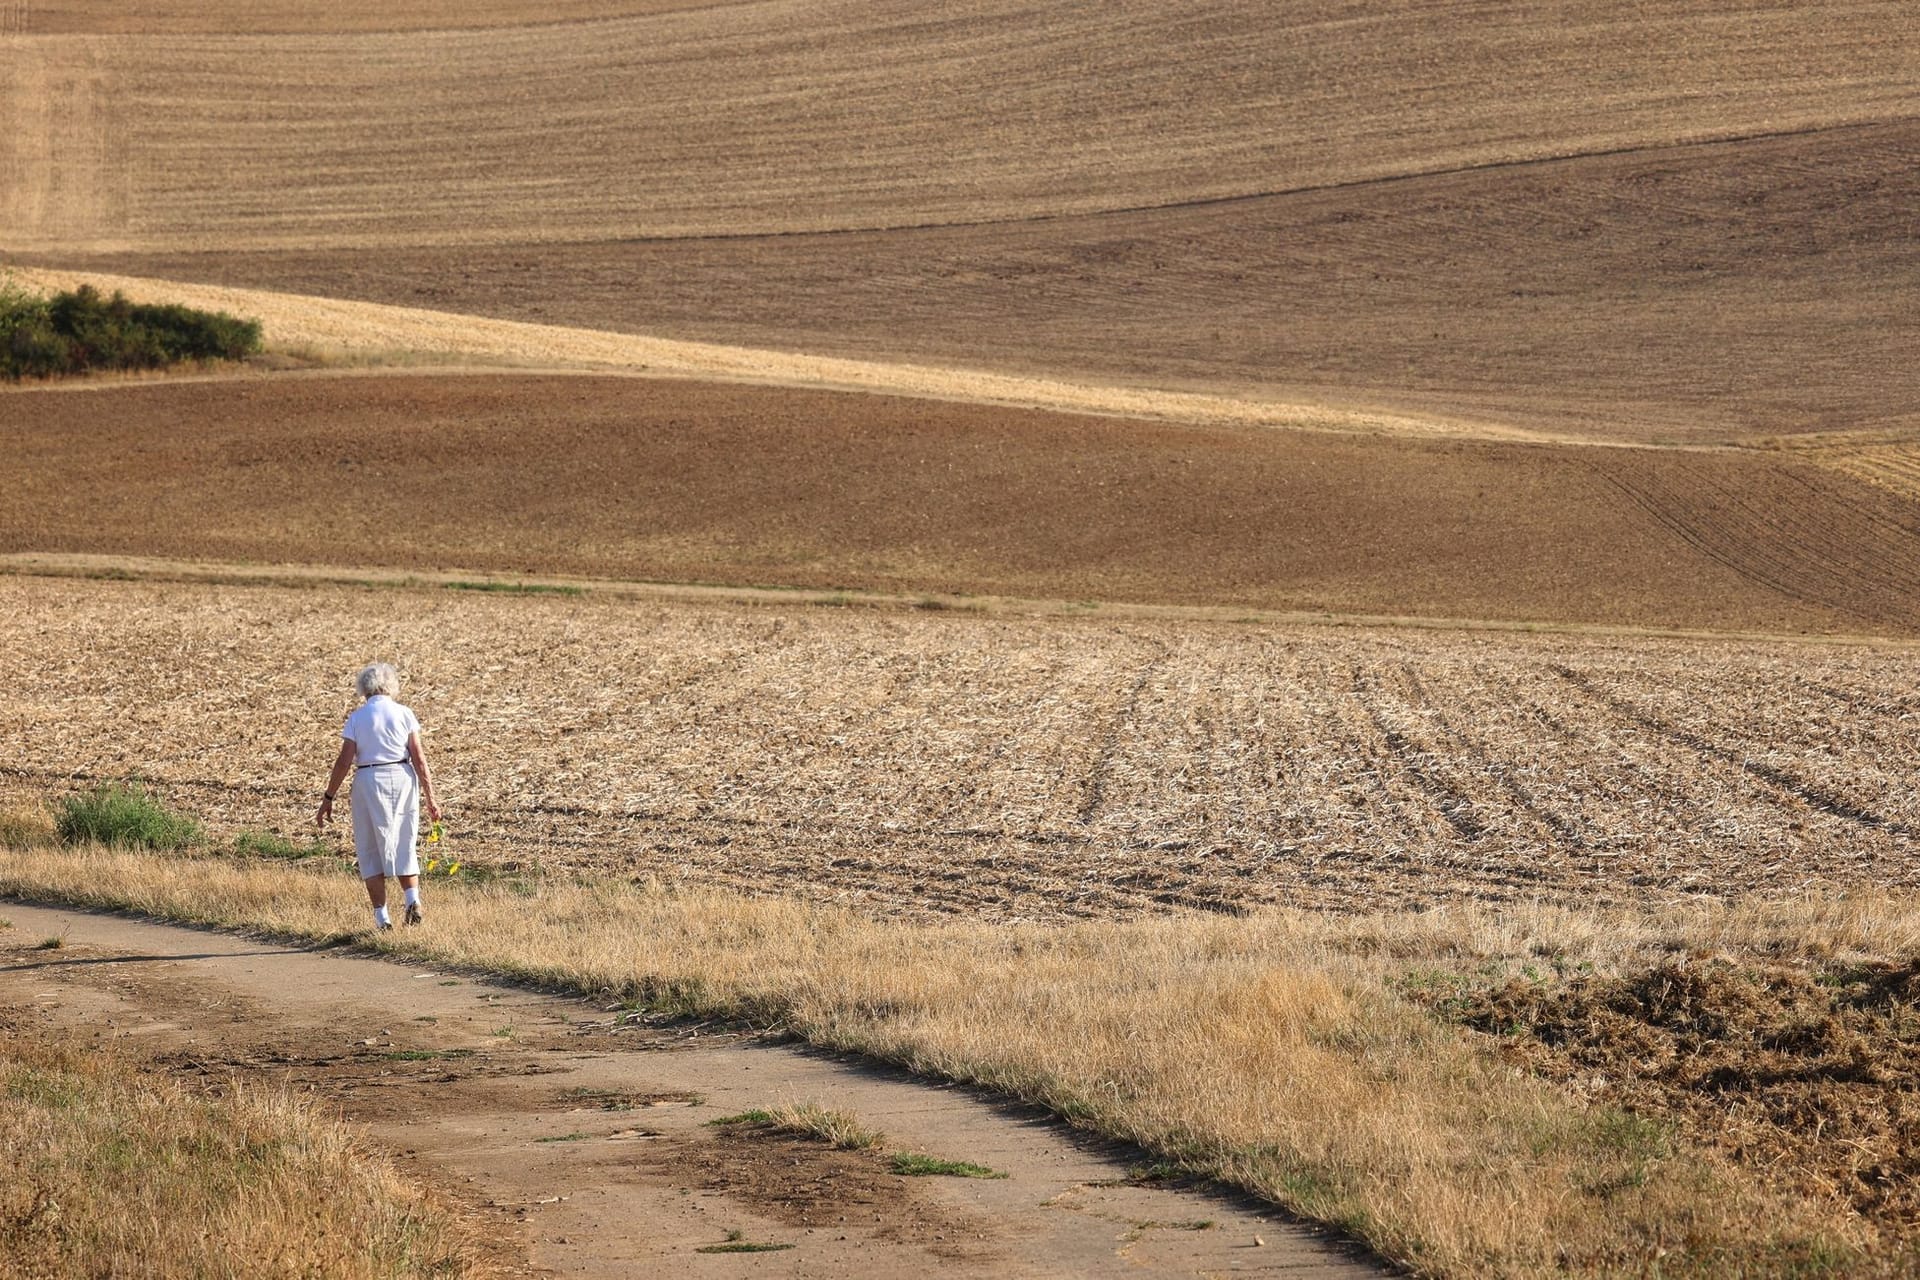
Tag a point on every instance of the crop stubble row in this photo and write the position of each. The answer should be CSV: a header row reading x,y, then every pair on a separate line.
x,y
1003,767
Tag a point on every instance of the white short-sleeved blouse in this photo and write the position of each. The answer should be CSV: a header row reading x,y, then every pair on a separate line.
x,y
379,730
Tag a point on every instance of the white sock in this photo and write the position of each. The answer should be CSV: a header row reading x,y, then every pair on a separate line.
x,y
413,896
380,916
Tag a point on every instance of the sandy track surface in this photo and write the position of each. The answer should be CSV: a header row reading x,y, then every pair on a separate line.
x,y
1679,293
581,1144
922,763
680,481
796,115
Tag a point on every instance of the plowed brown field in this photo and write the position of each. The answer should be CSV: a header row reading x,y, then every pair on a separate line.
x,y
672,480
1010,767
1685,293
1685,222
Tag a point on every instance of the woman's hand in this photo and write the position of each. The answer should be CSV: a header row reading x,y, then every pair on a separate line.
x,y
324,814
433,810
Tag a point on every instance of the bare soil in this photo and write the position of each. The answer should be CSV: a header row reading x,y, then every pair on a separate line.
x,y
678,481
1702,292
578,1143
1807,1074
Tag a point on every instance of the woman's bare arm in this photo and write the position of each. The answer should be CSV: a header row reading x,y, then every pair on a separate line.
x,y
341,763
418,755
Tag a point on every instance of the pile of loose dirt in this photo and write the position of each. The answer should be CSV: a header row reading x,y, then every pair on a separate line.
x,y
1812,1076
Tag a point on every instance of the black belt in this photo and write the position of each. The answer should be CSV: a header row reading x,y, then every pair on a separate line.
x,y
381,764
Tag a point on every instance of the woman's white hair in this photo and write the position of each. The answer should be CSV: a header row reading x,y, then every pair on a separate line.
x,y
380,677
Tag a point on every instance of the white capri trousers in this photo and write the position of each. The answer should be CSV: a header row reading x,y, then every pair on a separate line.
x,y
386,820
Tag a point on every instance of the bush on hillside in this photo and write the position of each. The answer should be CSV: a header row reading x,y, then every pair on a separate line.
x,y
82,330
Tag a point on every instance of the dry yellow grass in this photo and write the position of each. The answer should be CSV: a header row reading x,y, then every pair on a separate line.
x,y
1269,1051
115,1172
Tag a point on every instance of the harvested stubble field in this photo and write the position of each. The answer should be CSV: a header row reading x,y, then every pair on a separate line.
x,y
1001,767
803,116
681,481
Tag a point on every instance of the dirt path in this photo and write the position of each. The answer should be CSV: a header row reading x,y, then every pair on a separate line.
x,y
584,1142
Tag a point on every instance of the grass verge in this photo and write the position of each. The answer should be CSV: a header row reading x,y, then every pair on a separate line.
x,y
1275,1052
109,1169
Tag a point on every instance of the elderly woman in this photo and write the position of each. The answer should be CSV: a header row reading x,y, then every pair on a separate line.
x,y
381,745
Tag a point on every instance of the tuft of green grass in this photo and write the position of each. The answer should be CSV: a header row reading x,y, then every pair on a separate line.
x,y
518,588
54,943
575,1136
737,1242
918,1166
755,1119
425,1055
124,815
809,1120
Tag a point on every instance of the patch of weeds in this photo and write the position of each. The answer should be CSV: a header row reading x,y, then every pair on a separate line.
x,y
449,982
1160,1171
575,1136
738,1243
809,1120
918,1166
425,1055
54,943
504,1033
1140,1226
755,1119
426,1017
518,588
121,813
265,844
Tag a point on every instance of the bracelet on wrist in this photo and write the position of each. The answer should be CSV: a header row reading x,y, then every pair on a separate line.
x,y
327,796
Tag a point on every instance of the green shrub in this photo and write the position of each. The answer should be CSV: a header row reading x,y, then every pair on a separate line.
x,y
81,330
120,813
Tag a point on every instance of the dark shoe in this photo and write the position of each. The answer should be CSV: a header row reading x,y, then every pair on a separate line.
x,y
414,915
383,927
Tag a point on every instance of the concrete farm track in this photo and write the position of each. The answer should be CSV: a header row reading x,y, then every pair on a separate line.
x,y
674,480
